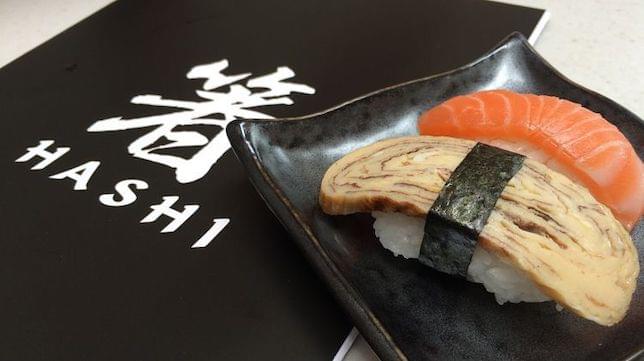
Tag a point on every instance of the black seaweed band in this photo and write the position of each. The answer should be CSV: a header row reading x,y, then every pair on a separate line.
x,y
463,206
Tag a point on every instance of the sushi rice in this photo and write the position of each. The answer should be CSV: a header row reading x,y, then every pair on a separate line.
x,y
403,235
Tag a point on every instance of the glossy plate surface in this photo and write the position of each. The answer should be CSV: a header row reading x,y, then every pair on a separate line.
x,y
406,310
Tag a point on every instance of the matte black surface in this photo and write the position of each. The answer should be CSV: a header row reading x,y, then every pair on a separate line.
x,y
404,309
82,281
461,210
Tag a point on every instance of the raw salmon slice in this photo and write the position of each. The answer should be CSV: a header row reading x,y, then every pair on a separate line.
x,y
562,134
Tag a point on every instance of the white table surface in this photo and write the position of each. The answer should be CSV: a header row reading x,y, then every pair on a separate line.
x,y
597,43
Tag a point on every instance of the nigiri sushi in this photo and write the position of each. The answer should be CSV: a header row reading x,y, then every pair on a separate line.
x,y
525,231
559,133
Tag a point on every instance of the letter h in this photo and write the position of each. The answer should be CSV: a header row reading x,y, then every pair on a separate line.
x,y
41,151
165,209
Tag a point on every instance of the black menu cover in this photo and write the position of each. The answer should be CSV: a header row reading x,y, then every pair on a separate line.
x,y
129,230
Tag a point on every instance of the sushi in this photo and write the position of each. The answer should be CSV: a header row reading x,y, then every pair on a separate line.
x,y
559,133
525,231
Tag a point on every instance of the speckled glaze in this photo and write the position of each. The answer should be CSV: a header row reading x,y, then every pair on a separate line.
x,y
405,310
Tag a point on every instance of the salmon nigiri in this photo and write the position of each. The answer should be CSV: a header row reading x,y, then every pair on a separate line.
x,y
562,134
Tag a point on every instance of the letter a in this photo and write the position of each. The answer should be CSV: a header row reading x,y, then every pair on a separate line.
x,y
81,174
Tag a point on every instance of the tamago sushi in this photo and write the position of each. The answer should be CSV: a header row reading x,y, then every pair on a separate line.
x,y
507,190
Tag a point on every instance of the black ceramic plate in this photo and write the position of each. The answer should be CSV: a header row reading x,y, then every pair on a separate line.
x,y
405,310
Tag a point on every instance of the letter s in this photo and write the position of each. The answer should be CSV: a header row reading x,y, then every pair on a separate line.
x,y
123,189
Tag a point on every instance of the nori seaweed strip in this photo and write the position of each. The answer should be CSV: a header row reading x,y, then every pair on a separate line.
x,y
463,206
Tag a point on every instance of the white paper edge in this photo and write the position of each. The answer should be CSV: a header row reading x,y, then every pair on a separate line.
x,y
346,345
348,342
545,17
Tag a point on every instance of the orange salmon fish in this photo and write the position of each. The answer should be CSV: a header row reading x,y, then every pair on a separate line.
x,y
564,135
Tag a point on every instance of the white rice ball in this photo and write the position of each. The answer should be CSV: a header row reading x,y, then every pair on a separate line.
x,y
402,235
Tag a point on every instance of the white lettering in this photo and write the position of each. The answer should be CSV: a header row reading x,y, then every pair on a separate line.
x,y
215,229
212,73
223,99
165,209
40,151
81,174
126,194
